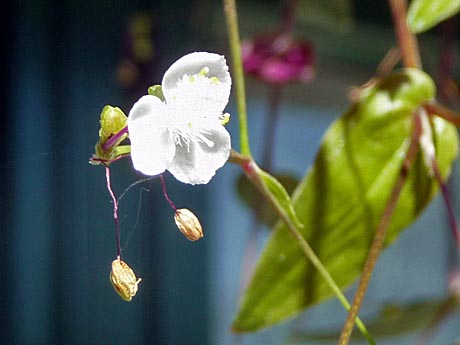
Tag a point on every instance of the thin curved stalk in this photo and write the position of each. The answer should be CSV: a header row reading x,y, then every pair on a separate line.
x,y
379,237
238,76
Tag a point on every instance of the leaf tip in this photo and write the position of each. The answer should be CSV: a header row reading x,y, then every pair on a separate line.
x,y
234,329
238,328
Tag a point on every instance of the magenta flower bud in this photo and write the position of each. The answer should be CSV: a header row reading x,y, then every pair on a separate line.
x,y
279,59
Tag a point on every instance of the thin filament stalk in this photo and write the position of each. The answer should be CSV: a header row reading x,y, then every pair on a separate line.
x,y
115,210
165,193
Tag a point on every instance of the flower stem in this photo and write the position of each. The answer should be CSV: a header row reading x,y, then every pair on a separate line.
x,y
238,158
235,49
115,210
165,193
252,172
388,63
406,40
380,233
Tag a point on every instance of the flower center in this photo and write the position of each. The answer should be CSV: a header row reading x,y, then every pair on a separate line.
x,y
185,135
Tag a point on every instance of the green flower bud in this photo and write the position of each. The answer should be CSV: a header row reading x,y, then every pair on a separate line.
x,y
156,91
397,95
112,121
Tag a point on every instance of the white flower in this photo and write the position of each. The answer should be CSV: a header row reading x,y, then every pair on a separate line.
x,y
184,134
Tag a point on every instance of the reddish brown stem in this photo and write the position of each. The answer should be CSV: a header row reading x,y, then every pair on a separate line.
x,y
384,69
406,40
388,63
411,59
435,108
447,201
380,233
238,158
165,193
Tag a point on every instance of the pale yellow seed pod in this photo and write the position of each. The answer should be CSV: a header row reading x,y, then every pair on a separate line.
x,y
188,224
123,279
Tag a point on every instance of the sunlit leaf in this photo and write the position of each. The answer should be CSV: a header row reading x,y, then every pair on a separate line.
x,y
249,194
393,320
424,14
341,199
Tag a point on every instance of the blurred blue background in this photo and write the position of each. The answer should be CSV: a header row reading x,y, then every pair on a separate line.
x,y
61,64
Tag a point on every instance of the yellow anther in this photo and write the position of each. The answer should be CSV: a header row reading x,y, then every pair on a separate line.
x,y
224,119
204,71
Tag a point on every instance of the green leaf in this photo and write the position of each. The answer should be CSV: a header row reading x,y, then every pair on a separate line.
x,y
251,196
424,14
393,320
341,199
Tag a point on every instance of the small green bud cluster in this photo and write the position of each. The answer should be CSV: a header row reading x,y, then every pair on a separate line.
x,y
112,132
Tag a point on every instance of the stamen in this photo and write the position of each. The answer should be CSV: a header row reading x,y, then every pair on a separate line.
x,y
203,72
207,141
165,193
224,119
182,136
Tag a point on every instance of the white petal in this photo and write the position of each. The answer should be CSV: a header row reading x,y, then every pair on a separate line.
x,y
208,152
181,83
152,147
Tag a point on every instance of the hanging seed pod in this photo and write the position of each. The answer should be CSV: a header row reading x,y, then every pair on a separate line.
x,y
123,279
188,224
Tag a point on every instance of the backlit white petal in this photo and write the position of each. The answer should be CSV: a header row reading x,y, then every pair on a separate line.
x,y
152,146
198,81
208,151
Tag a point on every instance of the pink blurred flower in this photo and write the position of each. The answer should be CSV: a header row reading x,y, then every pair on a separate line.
x,y
279,59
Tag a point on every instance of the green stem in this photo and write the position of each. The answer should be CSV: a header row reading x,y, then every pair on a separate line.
x,y
238,76
252,172
379,237
271,119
